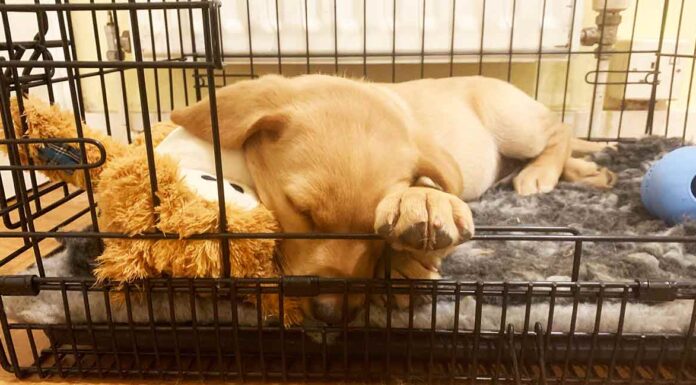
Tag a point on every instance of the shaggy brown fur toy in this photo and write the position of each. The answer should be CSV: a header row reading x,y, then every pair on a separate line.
x,y
125,204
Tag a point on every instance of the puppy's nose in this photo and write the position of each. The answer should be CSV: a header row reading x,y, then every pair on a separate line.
x,y
328,308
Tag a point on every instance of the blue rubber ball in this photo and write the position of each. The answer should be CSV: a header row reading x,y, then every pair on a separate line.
x,y
668,190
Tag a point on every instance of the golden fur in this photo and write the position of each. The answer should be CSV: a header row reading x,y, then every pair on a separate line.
x,y
125,203
331,154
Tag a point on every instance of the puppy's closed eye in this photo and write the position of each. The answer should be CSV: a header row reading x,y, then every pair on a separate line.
x,y
302,210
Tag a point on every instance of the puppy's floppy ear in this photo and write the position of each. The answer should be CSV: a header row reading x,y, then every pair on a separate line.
x,y
243,109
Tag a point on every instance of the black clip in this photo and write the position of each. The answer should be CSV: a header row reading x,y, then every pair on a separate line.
x,y
16,285
300,286
656,291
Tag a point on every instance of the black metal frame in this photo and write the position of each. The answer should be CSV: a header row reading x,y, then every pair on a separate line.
x,y
227,349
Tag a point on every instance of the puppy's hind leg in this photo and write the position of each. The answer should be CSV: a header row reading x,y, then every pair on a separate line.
x,y
542,173
588,173
526,130
582,148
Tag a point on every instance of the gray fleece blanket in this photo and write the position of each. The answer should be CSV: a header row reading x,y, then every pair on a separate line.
x,y
618,211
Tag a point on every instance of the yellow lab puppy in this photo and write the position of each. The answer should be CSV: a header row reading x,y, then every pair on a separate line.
x,y
330,154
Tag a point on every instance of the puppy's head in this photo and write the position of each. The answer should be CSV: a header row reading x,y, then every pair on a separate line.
x,y
323,152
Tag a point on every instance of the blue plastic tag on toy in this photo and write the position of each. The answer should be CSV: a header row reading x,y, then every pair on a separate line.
x,y
60,154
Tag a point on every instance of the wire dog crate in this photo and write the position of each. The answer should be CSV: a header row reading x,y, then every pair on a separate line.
x,y
125,64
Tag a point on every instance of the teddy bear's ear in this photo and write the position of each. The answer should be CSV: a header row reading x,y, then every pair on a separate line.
x,y
242,110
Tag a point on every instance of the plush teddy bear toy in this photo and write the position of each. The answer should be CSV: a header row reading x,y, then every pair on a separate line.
x,y
187,194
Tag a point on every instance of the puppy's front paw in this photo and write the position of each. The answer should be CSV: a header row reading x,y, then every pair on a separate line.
x,y
535,179
422,219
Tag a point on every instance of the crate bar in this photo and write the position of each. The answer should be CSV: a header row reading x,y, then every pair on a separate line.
x,y
628,65
452,35
661,356
366,349
73,52
599,52
680,56
31,44
653,92
364,38
433,328
278,45
688,97
249,41
34,352
473,368
96,64
512,34
173,325
69,220
483,28
455,334
525,328
259,329
366,236
409,343
689,342
69,324
112,329
571,334
550,315
501,334
124,94
393,45
442,56
513,354
42,25
145,107
222,49
235,329
674,67
153,328
216,325
194,327
8,342
155,73
80,166
566,82
26,217
131,330
195,58
37,195
422,45
132,6
26,247
102,79
541,42
595,333
619,333
90,328
210,56
541,352
181,44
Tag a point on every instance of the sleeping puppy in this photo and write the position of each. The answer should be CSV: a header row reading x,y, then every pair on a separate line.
x,y
330,154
